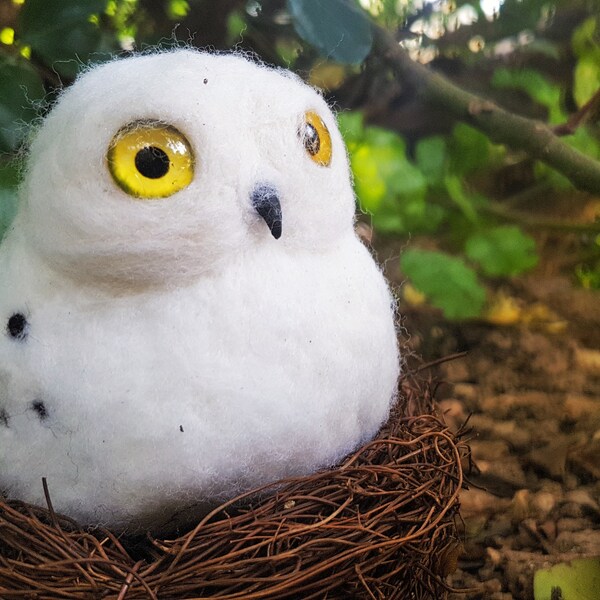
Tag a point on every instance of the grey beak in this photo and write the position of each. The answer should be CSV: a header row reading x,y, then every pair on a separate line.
x,y
266,203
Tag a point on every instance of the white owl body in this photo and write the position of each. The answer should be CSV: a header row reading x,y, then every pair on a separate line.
x,y
165,352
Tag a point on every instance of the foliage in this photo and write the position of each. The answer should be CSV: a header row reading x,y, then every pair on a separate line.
x,y
325,25
51,39
587,71
536,86
61,33
426,195
449,283
502,251
387,184
432,178
20,87
575,580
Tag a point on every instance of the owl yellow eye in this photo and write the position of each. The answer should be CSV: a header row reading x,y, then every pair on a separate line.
x,y
316,139
148,159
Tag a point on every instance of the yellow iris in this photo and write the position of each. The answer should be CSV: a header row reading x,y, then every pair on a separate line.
x,y
316,138
149,159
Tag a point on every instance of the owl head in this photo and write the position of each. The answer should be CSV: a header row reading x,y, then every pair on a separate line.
x,y
161,167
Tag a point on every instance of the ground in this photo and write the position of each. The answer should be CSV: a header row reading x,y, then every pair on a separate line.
x,y
531,392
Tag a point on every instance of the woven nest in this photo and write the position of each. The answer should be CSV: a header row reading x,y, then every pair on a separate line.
x,y
381,525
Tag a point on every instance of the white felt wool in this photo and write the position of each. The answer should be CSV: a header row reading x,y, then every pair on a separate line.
x,y
175,350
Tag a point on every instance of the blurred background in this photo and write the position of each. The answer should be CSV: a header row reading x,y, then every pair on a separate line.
x,y
491,251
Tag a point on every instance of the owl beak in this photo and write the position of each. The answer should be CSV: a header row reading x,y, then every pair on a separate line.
x,y
266,203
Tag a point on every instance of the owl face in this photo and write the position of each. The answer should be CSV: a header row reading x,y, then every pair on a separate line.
x,y
164,166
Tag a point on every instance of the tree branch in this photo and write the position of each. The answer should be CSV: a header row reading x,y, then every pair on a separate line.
x,y
534,137
526,220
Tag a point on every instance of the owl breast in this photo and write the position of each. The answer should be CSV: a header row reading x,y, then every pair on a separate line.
x,y
135,405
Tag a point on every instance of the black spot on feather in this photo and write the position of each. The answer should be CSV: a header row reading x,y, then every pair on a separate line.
x,y
40,409
17,326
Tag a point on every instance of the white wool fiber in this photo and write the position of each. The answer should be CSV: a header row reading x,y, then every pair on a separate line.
x,y
175,352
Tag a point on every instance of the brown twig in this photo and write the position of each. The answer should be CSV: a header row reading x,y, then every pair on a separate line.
x,y
589,112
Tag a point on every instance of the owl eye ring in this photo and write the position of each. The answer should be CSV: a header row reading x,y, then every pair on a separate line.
x,y
316,138
149,159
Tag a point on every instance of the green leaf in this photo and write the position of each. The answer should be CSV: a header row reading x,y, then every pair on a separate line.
x,y
575,580
351,126
430,154
288,50
469,150
389,221
586,79
534,84
236,26
369,184
382,171
338,29
9,180
388,185
377,136
407,215
584,141
20,87
177,9
584,41
555,178
447,282
588,277
502,251
459,196
61,32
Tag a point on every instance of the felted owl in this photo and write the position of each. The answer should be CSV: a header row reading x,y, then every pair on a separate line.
x,y
187,310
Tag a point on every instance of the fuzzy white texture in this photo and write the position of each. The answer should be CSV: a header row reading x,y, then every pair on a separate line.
x,y
182,354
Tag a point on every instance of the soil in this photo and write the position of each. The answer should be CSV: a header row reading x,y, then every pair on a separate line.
x,y
531,394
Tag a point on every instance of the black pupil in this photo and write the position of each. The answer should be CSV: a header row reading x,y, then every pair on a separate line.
x,y
312,142
152,162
